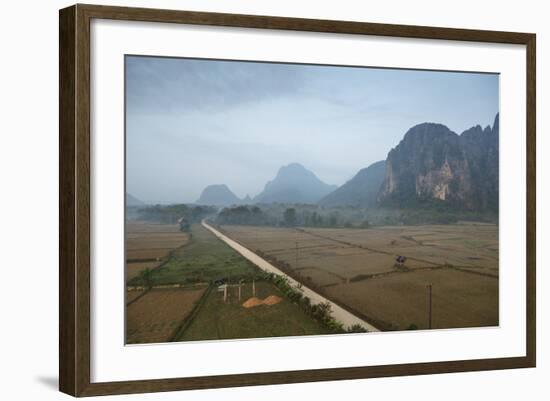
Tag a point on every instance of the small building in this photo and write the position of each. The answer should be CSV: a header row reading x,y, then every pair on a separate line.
x,y
400,260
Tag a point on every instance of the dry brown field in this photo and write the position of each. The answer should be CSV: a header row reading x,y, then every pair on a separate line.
x,y
356,268
149,244
400,300
156,316
131,295
135,268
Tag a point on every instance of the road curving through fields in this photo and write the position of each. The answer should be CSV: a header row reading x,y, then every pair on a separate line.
x,y
340,314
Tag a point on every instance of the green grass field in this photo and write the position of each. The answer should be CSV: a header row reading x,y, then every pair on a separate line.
x,y
203,259
219,320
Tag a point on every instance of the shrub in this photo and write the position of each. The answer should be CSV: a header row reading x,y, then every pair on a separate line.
x,y
356,328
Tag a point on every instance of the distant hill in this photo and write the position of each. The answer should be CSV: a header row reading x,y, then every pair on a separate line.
x,y
217,195
133,201
294,184
434,163
361,190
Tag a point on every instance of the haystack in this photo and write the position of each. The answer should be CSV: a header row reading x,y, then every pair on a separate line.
x,y
272,300
251,302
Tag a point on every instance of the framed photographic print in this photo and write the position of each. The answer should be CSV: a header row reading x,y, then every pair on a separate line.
x,y
252,200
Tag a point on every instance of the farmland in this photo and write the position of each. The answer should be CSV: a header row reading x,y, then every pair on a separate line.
x,y
228,320
156,316
202,260
148,245
356,268
184,304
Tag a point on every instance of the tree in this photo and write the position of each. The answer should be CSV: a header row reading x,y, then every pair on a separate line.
x,y
320,220
290,216
147,278
314,219
307,219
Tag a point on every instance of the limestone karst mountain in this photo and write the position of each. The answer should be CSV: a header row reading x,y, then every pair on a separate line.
x,y
294,184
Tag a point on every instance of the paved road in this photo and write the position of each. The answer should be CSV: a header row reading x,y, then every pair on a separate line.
x,y
340,314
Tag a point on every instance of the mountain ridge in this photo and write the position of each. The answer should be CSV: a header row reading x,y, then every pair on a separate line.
x,y
217,195
361,190
132,201
430,164
433,163
294,183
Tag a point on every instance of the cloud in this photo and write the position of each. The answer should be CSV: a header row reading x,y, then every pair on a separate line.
x,y
175,85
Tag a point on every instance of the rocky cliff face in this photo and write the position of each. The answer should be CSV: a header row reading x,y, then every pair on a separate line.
x,y
434,163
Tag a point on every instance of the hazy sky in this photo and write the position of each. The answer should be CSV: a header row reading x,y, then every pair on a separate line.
x,y
192,123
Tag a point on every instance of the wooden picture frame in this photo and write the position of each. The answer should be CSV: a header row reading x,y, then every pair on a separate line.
x,y
74,199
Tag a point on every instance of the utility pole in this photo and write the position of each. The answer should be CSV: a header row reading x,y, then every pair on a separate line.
x,y
296,263
253,288
429,306
240,282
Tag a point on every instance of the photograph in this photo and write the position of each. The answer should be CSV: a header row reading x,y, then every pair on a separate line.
x,y
271,199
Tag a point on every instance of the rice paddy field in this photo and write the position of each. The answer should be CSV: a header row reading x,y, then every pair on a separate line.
x,y
356,268
148,245
184,302
156,316
132,295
